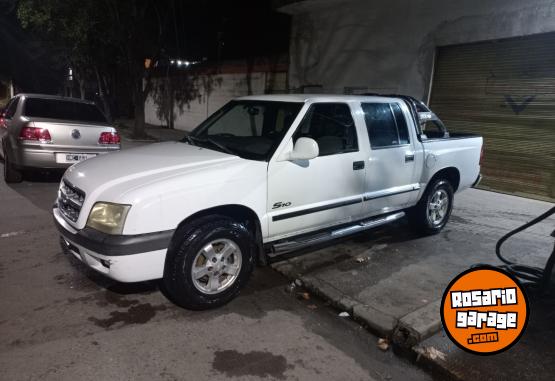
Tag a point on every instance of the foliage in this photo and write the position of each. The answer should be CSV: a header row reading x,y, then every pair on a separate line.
x,y
101,39
107,41
171,92
177,89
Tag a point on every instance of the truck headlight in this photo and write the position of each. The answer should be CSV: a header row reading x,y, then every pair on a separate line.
x,y
107,217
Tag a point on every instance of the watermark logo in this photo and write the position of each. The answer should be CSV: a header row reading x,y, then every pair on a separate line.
x,y
484,310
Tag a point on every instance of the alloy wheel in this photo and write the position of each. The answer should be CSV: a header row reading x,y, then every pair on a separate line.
x,y
216,266
438,206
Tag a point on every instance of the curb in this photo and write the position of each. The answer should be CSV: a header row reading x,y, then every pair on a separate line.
x,y
377,321
418,325
433,360
405,332
141,140
330,293
146,140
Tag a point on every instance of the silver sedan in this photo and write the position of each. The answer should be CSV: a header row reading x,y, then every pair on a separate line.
x,y
51,132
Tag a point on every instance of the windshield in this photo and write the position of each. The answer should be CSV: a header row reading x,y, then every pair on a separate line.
x,y
250,129
62,109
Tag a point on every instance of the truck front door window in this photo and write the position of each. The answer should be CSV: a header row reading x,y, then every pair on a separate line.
x,y
332,126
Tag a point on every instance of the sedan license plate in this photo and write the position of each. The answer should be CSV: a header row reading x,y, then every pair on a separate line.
x,y
65,157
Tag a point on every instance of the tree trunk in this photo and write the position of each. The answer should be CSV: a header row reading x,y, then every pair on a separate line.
x,y
139,127
140,92
171,105
171,124
250,68
82,88
139,106
103,96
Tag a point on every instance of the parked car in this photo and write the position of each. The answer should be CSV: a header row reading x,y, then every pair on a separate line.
x,y
49,132
262,176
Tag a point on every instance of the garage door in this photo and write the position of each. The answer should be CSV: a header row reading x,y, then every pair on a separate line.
x,y
503,90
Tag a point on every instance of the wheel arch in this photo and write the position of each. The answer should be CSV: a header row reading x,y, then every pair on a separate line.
x,y
240,213
450,174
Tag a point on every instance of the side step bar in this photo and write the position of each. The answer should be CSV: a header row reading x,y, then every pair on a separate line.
x,y
283,247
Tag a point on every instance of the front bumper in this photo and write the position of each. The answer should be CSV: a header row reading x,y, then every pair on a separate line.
x,y
125,258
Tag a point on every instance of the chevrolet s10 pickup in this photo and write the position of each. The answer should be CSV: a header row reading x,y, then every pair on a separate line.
x,y
262,176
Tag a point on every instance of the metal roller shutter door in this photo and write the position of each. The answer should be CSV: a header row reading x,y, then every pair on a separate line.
x,y
503,90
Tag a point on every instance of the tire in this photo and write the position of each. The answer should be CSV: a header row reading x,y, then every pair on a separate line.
x,y
11,175
220,251
432,212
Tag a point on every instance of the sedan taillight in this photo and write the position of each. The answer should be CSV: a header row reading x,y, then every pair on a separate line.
x,y
35,134
109,138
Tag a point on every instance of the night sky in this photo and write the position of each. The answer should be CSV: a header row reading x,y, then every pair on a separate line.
x,y
22,58
211,30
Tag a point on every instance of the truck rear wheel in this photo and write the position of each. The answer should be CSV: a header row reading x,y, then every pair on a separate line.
x,y
209,262
432,212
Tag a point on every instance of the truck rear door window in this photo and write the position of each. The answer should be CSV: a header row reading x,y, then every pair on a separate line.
x,y
332,126
386,124
401,123
63,110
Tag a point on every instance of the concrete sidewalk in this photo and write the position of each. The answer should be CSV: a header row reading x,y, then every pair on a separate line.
x,y
392,281
155,133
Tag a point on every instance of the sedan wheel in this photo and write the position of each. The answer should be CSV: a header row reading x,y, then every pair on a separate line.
x,y
11,175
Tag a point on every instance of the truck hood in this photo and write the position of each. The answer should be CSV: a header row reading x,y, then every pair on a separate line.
x,y
152,161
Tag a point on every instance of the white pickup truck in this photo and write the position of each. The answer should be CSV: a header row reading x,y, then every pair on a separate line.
x,y
262,176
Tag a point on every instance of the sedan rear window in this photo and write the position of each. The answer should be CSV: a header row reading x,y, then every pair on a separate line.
x,y
60,109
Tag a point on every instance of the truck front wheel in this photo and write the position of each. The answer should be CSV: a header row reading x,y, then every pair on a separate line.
x,y
432,212
209,262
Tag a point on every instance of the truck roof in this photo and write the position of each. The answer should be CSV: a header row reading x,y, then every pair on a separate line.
x,y
315,97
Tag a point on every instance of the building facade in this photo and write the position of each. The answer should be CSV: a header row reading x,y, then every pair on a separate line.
x,y
484,66
214,88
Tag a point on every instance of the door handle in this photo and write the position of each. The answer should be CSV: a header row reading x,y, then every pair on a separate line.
x,y
358,165
409,157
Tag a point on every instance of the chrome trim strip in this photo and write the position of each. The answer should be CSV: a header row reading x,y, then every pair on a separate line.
x,y
391,191
316,209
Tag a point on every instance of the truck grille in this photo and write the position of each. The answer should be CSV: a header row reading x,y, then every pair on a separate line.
x,y
70,200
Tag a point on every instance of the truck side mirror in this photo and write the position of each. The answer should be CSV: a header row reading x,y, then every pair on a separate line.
x,y
304,149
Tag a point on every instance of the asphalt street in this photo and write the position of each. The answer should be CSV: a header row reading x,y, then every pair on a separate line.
x,y
61,321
